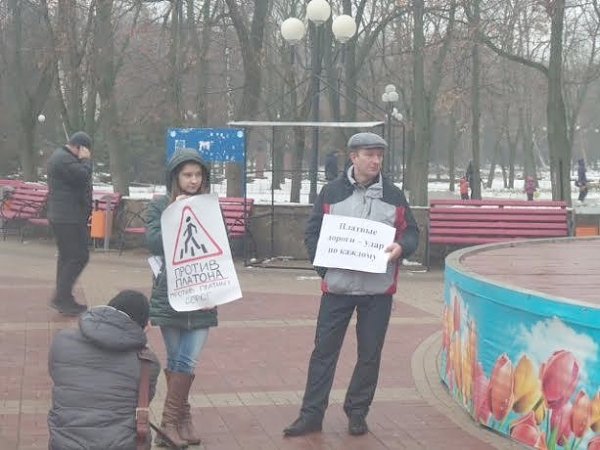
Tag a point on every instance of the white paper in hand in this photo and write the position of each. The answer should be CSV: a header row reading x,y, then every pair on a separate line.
x,y
353,243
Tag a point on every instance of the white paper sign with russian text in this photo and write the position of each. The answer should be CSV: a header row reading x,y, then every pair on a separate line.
x,y
200,270
353,243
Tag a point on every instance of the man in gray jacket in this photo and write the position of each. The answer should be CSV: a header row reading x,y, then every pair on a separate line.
x,y
69,207
95,369
361,192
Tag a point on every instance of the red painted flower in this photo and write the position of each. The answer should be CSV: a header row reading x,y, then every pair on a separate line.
x,y
501,388
447,329
559,377
456,313
525,430
594,443
580,416
561,422
481,401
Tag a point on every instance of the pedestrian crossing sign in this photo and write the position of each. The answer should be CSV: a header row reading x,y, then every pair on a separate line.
x,y
193,241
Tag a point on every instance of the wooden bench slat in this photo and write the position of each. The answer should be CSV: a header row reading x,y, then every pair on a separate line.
x,y
500,211
23,202
454,240
236,214
501,225
497,202
472,222
478,217
491,232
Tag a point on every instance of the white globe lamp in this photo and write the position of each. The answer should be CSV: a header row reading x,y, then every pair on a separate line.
x,y
292,30
41,118
393,96
343,27
318,11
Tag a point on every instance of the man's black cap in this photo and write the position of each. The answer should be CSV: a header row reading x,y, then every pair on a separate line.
x,y
81,139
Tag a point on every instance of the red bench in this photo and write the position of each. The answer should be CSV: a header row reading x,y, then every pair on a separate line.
x,y
22,203
472,222
236,213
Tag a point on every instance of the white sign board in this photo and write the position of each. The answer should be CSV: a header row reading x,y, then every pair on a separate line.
x,y
200,270
353,243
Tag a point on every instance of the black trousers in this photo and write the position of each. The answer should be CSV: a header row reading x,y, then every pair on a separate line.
x,y
373,316
73,256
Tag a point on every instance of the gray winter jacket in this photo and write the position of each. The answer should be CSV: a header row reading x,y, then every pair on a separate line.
x,y
382,202
70,185
96,370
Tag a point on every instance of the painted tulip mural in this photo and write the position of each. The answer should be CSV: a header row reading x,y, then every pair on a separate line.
x,y
530,378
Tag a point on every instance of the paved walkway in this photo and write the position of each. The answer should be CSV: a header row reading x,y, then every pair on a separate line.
x,y
252,372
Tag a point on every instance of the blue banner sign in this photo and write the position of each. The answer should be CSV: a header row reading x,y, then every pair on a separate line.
x,y
214,144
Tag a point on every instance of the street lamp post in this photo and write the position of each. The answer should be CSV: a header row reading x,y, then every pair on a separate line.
x,y
400,118
293,30
389,97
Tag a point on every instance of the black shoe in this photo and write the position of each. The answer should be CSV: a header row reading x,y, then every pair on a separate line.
x,y
357,425
68,308
303,425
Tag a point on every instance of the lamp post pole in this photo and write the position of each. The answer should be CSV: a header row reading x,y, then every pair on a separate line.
x,y
315,37
292,30
389,97
390,163
403,154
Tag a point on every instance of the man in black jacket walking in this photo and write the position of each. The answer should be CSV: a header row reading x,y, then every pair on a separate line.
x,y
69,207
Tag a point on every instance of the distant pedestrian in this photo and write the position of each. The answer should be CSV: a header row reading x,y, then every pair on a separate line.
x,y
582,181
96,374
464,188
331,165
69,207
530,187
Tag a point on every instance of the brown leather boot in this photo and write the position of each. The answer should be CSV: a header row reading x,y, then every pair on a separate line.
x,y
172,411
186,427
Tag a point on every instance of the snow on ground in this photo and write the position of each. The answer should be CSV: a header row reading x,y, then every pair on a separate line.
x,y
260,190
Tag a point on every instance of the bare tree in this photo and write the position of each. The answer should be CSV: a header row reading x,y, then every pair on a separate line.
x,y
106,63
250,37
424,100
555,105
30,78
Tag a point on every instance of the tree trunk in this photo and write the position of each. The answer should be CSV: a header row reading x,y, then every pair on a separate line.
x,y
475,107
512,153
452,146
419,169
560,152
175,58
251,42
106,73
201,47
298,154
30,87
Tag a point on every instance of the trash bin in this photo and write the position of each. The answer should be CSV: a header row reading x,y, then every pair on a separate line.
x,y
98,225
101,226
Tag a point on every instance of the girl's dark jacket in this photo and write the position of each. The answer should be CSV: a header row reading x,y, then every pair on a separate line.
x,y
161,313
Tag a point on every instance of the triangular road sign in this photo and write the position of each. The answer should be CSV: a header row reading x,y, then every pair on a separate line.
x,y
193,241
